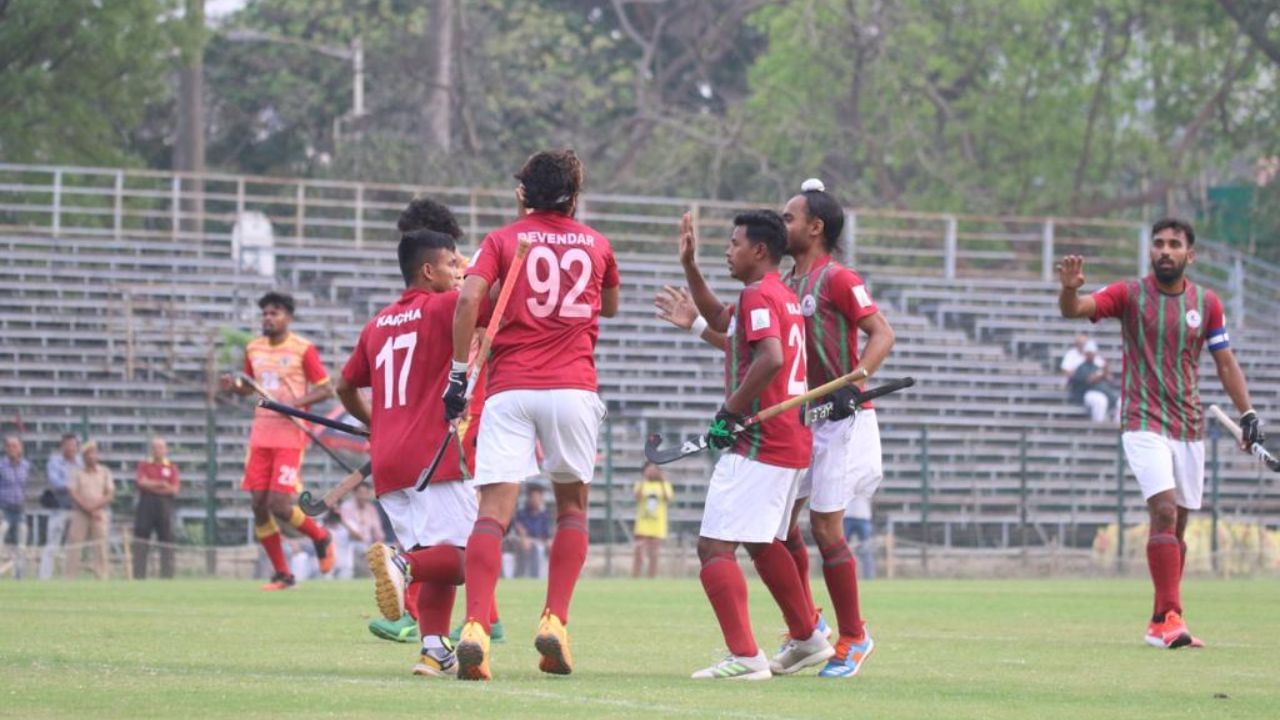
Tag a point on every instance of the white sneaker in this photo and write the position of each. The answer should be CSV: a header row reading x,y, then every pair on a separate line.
x,y
389,573
437,658
736,667
797,655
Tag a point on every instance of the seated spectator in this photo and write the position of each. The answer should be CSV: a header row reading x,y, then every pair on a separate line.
x,y
1090,386
532,528
1075,355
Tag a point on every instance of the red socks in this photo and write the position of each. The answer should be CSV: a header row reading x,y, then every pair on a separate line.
x,y
841,572
800,554
307,526
778,571
411,594
442,564
726,588
275,552
568,553
483,565
434,606
1164,559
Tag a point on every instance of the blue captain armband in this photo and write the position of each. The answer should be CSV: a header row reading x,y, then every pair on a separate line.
x,y
1218,339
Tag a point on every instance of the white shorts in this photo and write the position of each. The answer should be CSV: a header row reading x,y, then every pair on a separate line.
x,y
1161,464
566,422
846,463
749,501
442,514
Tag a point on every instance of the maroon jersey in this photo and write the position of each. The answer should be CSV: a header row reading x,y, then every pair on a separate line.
x,y
404,354
768,309
1163,336
833,299
549,329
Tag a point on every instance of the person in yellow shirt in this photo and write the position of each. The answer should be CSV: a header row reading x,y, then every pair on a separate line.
x,y
653,494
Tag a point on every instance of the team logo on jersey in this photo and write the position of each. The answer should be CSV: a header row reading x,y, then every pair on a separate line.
x,y
808,306
1193,319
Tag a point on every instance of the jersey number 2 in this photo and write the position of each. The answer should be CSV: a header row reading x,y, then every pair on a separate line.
x,y
386,359
542,270
797,383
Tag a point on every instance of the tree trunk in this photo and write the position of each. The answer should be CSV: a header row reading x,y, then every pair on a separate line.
x,y
189,151
438,112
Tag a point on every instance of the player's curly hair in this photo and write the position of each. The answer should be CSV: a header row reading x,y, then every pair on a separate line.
x,y
1177,224
552,180
824,207
284,301
766,227
423,213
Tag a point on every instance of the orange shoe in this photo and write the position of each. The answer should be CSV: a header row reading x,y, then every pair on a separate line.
x,y
280,581
1171,633
473,652
326,553
553,643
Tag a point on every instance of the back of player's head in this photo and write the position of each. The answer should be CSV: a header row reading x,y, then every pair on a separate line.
x,y
416,248
825,208
426,214
284,301
767,228
1177,224
552,179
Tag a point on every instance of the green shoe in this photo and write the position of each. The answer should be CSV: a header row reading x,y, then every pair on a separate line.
x,y
404,630
495,633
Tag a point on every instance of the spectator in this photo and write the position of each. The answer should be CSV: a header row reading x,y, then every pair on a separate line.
x,y
363,523
14,470
857,523
92,489
343,563
57,499
158,482
1075,355
533,531
653,494
1089,385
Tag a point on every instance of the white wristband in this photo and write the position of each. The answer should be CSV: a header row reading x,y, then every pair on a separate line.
x,y
459,367
698,326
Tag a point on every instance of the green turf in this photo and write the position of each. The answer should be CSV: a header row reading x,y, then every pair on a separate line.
x,y
946,650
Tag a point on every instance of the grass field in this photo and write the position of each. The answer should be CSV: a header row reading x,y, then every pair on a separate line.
x,y
946,649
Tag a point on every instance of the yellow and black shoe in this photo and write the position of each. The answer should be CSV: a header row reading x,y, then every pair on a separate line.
x,y
389,579
473,652
552,643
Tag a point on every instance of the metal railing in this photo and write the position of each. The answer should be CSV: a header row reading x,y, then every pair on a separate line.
x,y
197,213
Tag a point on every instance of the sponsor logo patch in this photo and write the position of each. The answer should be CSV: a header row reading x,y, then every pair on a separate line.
x,y
759,319
861,296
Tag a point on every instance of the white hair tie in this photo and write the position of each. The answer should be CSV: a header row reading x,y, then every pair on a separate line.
x,y
812,185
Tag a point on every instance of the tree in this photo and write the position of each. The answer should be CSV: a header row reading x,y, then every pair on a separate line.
x,y
79,79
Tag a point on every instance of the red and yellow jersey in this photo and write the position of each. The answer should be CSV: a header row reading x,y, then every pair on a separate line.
x,y
284,370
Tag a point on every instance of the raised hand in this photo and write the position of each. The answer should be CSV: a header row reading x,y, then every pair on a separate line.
x,y
1071,272
676,307
688,241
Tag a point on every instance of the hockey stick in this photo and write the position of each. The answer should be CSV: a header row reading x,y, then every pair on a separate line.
x,y
1256,449
823,411
331,499
262,393
291,411
698,443
495,319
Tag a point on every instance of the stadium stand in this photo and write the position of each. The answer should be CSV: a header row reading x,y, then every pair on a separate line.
x,y
121,290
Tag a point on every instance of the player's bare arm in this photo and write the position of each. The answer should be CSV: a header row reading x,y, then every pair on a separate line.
x,y
880,339
1070,302
766,363
676,307
1233,382
709,306
351,399
318,393
465,315
609,298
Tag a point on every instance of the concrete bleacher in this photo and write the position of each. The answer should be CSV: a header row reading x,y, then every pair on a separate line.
x,y
122,334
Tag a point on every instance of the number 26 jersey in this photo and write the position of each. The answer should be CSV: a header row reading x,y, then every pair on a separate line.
x,y
548,334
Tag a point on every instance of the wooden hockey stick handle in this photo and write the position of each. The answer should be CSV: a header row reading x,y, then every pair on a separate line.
x,y
1226,422
795,402
336,493
495,318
